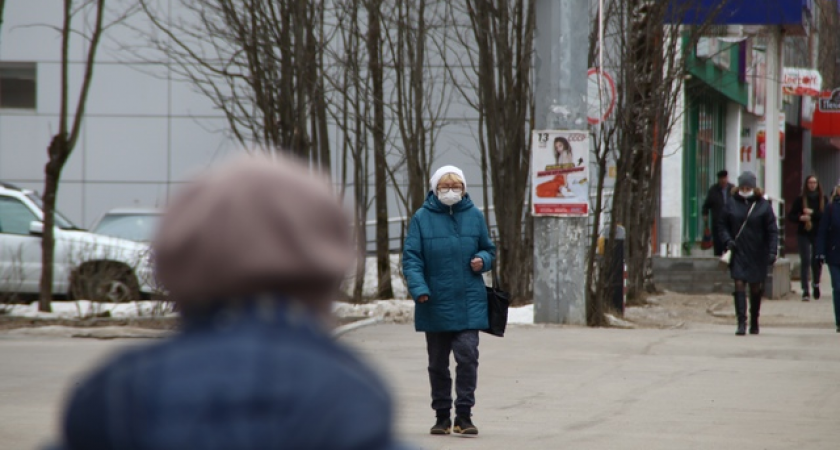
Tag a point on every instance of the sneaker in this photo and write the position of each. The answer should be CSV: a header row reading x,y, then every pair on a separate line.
x,y
442,426
816,292
805,298
464,426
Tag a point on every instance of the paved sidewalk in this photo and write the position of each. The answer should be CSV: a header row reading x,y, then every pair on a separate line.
x,y
577,388
542,388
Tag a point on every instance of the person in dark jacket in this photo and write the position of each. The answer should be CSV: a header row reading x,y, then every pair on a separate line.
x,y
828,247
806,212
748,227
717,199
445,252
252,253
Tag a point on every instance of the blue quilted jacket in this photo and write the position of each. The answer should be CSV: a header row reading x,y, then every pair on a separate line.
x,y
441,242
260,378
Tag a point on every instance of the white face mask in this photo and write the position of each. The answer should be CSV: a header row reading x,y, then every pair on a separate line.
x,y
747,194
449,198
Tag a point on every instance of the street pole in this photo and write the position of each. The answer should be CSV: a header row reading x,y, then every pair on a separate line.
x,y
561,44
773,167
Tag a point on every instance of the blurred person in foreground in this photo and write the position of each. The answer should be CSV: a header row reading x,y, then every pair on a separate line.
x,y
446,250
828,247
748,227
253,253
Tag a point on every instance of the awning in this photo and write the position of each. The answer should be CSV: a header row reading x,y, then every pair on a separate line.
x,y
793,15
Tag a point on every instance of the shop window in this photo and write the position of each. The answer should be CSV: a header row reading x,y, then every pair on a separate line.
x,y
17,85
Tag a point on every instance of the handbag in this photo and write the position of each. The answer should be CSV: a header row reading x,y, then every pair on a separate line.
x,y
707,241
498,302
726,258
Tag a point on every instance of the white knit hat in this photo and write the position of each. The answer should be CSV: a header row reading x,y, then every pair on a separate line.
x,y
443,171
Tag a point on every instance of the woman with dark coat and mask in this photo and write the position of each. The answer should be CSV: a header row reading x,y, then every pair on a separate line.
x,y
748,227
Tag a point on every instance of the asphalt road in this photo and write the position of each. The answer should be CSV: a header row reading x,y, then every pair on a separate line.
x,y
542,388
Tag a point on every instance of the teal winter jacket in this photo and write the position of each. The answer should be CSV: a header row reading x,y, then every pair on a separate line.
x,y
441,242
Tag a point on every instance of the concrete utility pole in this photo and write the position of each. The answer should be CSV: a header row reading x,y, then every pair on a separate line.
x,y
562,41
773,164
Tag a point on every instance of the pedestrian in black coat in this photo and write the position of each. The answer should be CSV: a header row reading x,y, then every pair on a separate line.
x,y
828,247
806,212
716,200
748,227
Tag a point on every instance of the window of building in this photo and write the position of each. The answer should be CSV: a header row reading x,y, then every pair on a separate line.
x,y
17,85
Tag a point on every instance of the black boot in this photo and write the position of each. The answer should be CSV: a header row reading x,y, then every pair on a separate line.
x,y
741,312
755,307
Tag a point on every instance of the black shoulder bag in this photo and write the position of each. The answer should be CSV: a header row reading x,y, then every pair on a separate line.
x,y
498,302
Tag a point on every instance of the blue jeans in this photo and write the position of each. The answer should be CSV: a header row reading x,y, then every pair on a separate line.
x,y
464,345
835,287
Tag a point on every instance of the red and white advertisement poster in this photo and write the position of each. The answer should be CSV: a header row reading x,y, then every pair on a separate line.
x,y
560,173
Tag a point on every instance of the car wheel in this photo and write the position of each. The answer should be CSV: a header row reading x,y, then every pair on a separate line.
x,y
104,282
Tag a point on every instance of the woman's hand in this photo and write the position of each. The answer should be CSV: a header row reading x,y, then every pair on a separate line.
x,y
423,299
804,218
808,211
477,264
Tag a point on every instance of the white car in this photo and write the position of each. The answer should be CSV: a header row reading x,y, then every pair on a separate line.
x,y
134,224
86,265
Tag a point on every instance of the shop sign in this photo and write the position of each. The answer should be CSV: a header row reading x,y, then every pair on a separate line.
x,y
801,82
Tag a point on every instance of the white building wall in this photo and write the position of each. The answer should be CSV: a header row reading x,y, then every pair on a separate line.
x,y
144,131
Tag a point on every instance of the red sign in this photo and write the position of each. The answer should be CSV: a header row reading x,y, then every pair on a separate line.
x,y
801,82
827,116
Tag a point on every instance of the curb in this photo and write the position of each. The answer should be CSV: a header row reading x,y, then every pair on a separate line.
x,y
344,329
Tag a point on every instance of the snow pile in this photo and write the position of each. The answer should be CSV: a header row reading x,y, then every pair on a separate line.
x,y
402,311
395,311
523,315
84,308
371,283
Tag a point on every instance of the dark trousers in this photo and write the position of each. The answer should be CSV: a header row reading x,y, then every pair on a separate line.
x,y
835,288
464,345
720,246
808,263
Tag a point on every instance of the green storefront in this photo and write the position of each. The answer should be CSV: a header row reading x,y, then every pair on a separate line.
x,y
716,81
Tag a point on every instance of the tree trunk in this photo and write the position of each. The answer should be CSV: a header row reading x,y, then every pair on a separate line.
x,y
383,254
52,173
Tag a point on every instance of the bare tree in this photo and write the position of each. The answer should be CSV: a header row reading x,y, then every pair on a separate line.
x,y
498,46
64,142
261,64
377,75
645,44
421,90
348,108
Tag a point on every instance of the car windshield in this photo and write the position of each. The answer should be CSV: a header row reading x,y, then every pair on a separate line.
x,y
60,221
134,227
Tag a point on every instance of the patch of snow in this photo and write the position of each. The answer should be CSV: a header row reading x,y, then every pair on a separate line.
x,y
397,311
84,308
371,282
523,315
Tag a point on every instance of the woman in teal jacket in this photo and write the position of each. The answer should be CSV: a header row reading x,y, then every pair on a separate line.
x,y
446,250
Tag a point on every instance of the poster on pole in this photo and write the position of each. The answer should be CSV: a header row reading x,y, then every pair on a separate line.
x,y
560,173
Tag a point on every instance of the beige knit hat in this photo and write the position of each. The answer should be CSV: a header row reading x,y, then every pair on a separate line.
x,y
253,226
